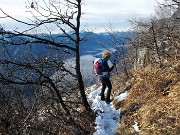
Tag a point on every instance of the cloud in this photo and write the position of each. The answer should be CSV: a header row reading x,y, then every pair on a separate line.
x,y
109,7
14,7
96,13
116,12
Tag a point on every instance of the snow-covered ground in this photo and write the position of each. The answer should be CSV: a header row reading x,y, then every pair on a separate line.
x,y
107,118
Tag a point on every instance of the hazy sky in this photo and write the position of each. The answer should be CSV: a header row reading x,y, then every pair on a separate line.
x,y
97,13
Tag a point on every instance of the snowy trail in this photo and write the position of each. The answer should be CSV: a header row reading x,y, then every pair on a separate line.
x,y
107,117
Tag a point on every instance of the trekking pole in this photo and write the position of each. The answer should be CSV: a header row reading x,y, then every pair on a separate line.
x,y
115,66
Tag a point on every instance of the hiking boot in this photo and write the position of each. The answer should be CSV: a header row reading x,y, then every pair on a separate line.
x,y
103,98
108,101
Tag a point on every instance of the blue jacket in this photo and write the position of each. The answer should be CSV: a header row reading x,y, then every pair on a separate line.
x,y
105,68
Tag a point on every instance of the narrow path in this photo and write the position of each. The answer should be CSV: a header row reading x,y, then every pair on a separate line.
x,y
107,118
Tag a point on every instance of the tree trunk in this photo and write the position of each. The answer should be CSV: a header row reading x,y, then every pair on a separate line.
x,y
78,71
80,81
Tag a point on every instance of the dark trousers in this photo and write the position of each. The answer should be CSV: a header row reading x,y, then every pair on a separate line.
x,y
106,83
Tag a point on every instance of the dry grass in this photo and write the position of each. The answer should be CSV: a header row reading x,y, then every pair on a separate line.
x,y
157,92
118,83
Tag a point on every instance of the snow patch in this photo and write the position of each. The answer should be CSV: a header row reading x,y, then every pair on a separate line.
x,y
135,126
107,117
122,96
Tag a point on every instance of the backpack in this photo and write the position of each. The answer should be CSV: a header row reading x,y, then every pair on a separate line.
x,y
98,66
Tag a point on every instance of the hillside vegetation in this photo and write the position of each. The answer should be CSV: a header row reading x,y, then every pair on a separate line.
x,y
153,101
153,85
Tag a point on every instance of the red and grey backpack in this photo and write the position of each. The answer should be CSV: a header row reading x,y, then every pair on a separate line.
x,y
97,65
100,65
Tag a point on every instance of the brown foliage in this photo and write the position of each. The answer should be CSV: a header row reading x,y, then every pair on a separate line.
x,y
156,91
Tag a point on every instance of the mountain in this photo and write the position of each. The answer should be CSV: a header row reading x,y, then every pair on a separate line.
x,y
93,43
91,47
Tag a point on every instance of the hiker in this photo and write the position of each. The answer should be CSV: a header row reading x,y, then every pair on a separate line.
x,y
107,67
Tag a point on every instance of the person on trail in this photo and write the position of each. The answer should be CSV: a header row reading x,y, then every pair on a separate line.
x,y
105,77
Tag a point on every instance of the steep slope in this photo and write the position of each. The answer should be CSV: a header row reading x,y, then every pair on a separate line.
x,y
153,102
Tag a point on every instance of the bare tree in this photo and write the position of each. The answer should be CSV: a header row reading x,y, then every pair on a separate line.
x,y
65,16
119,43
157,39
58,98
